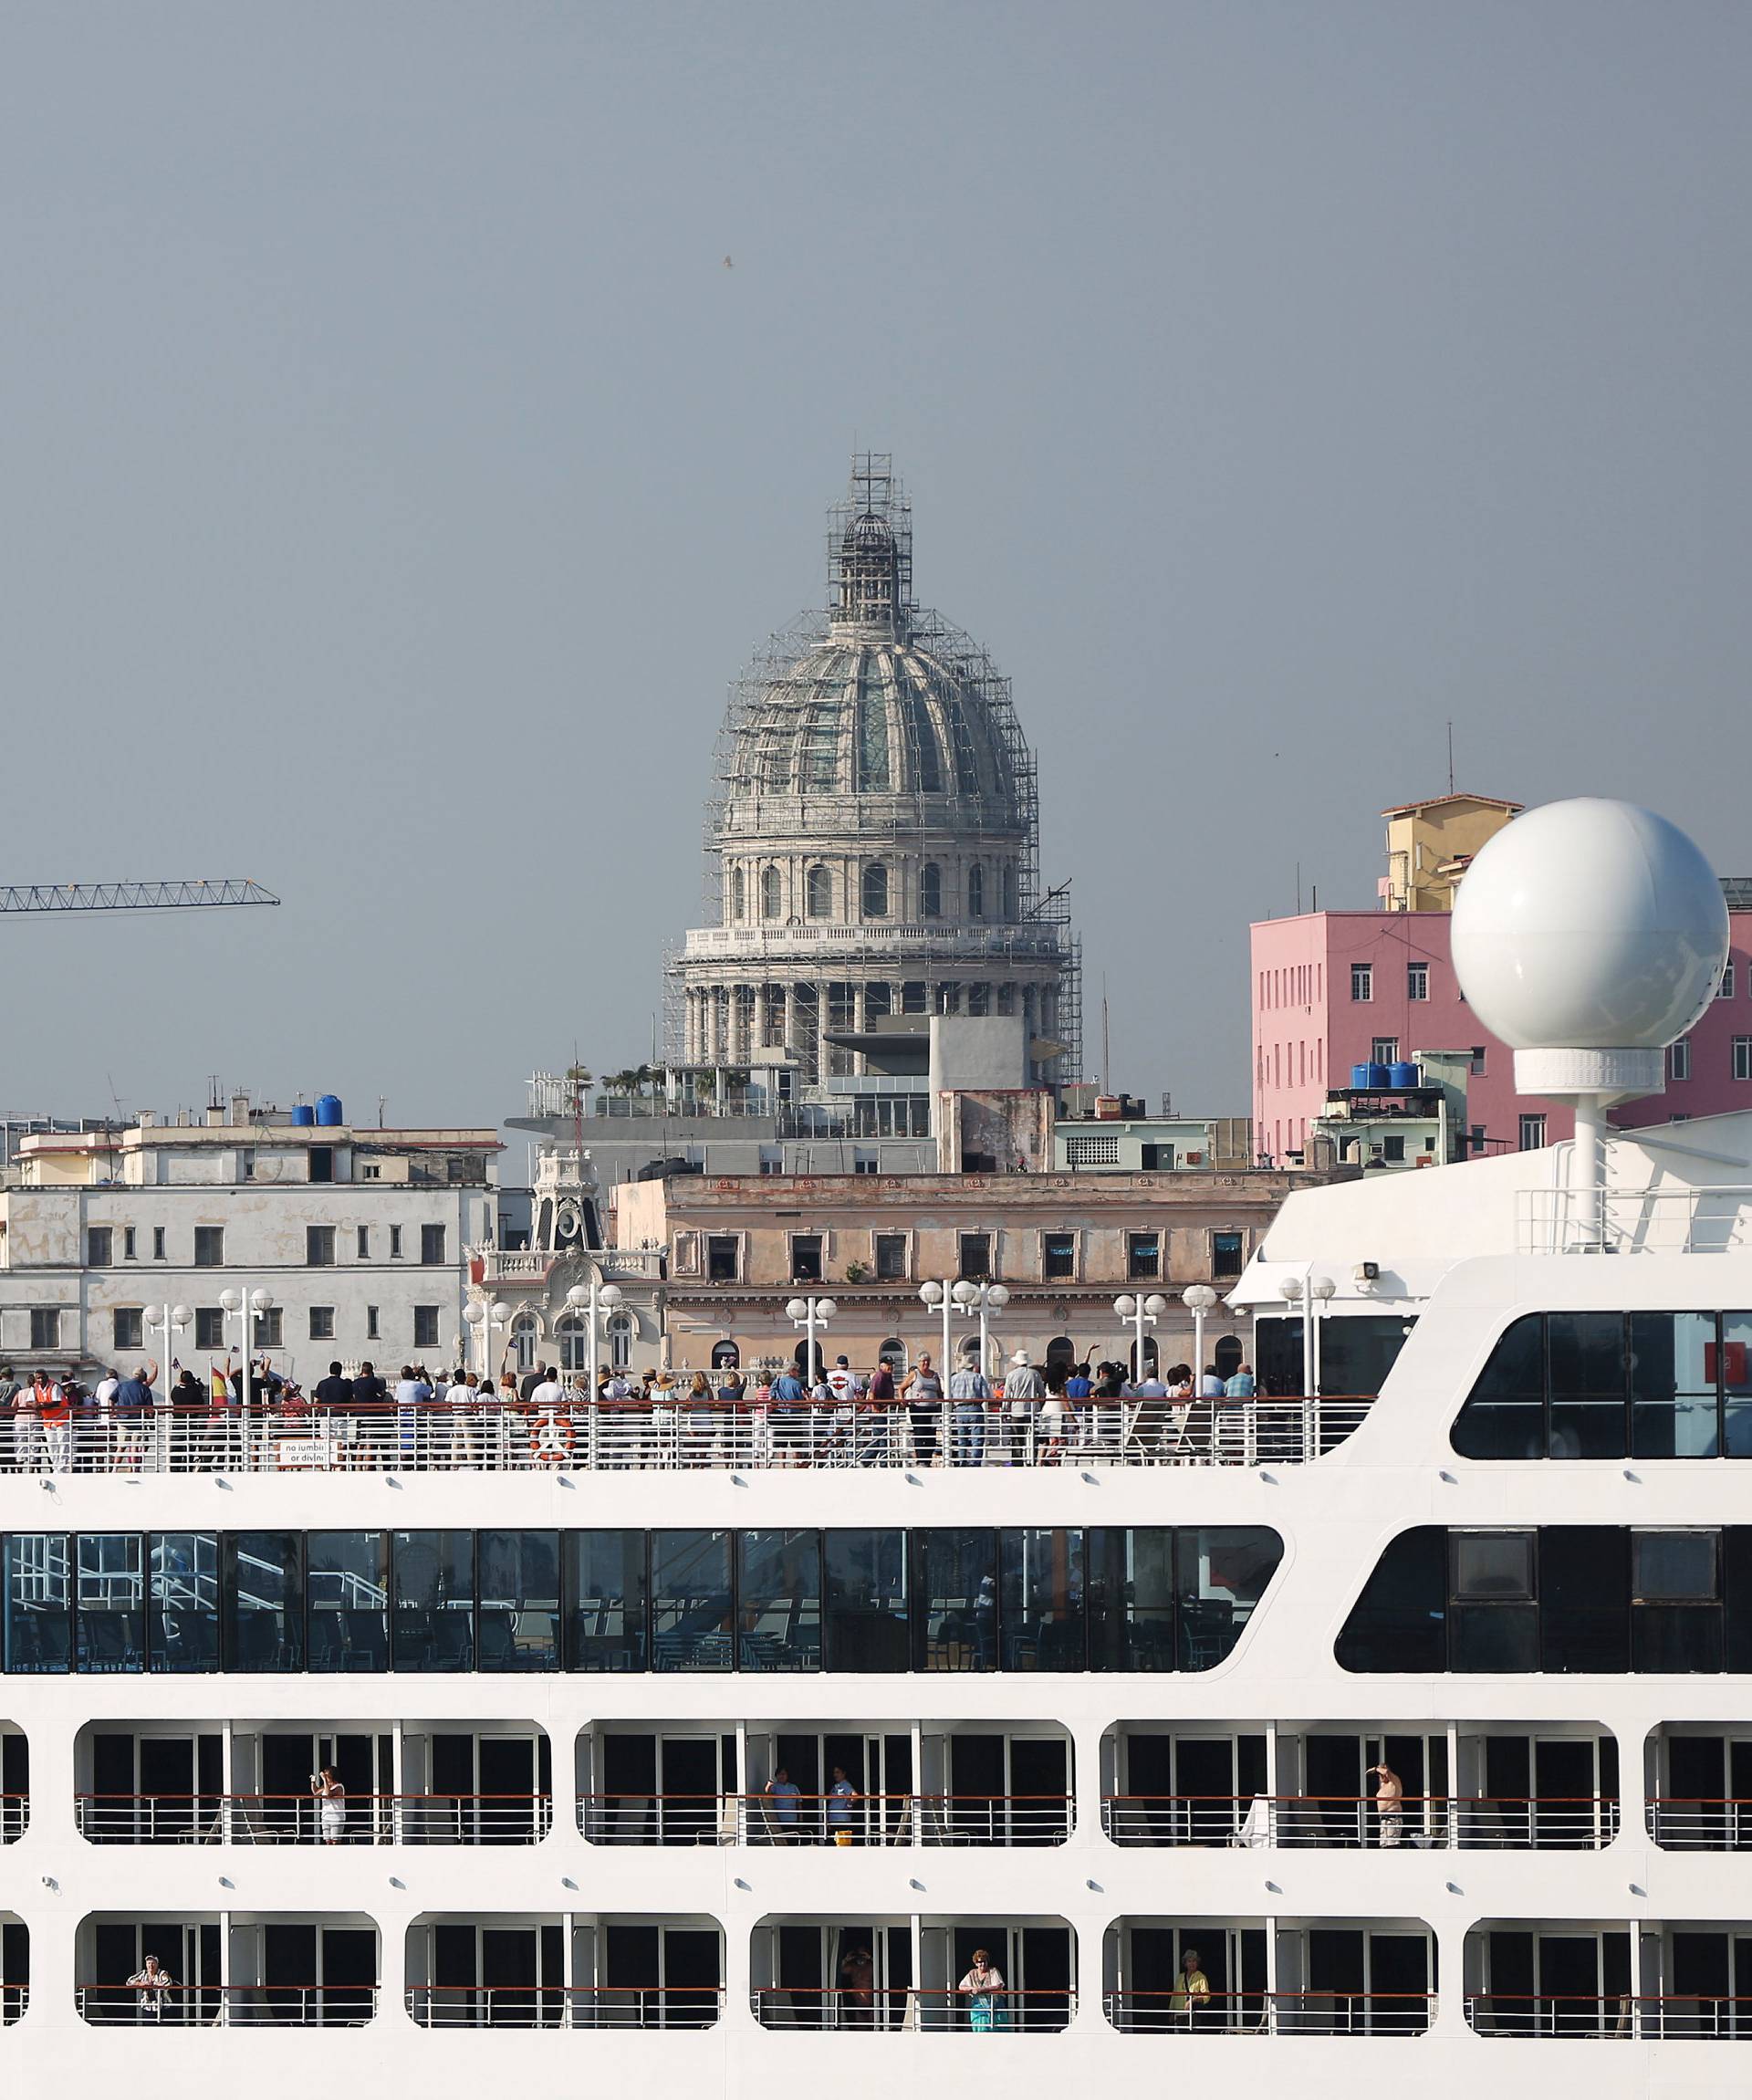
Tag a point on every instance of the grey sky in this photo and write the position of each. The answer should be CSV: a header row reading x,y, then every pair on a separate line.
x,y
394,478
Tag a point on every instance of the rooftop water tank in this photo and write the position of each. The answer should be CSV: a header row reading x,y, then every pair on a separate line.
x,y
328,1110
1359,1077
303,1115
1380,1080
1402,1075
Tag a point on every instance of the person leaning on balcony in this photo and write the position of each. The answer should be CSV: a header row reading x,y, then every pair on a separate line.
x,y
1240,1384
783,1794
152,1986
983,1988
923,1389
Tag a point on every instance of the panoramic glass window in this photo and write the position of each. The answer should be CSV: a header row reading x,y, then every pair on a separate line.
x,y
1570,1597
519,1601
433,1619
690,1609
866,1599
778,1600
607,1599
182,1619
263,1592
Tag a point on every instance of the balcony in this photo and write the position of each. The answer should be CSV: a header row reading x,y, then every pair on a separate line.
x,y
1557,1979
1619,2017
1254,1976
582,1969
15,1969
901,1974
583,1436
247,1968
835,1782
530,1264
165,1783
1699,1784
1549,1787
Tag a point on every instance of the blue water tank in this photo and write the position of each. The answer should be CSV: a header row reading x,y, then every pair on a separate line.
x,y
303,1115
1360,1077
328,1110
1380,1079
1403,1075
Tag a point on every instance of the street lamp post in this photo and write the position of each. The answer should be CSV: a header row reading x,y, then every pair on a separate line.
x,y
1199,1299
484,1318
937,1295
242,1305
1142,1313
810,1313
980,1301
168,1320
1321,1291
599,1299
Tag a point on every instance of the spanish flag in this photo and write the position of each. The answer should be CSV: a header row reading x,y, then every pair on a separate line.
x,y
220,1388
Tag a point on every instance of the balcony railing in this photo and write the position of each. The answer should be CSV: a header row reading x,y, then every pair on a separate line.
x,y
895,2012
297,1819
1367,2012
1612,2017
15,1815
681,1436
1015,1820
1583,1823
550,2005
1702,1220
169,2004
1693,1823
522,1264
14,2002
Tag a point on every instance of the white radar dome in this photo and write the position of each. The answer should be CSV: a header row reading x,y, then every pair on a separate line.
x,y
1589,924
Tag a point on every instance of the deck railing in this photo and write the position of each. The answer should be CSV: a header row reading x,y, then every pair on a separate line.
x,y
785,2007
1711,1219
172,2004
826,1819
297,1819
14,2002
1582,1822
552,2005
1610,2016
15,1816
1690,1822
678,1434
1367,2013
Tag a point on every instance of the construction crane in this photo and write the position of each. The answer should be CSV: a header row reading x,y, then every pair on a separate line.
x,y
133,896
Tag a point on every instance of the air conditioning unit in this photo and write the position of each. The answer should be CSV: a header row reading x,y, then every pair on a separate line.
x,y
1194,1159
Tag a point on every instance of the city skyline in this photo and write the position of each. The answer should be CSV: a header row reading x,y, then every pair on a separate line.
x,y
419,417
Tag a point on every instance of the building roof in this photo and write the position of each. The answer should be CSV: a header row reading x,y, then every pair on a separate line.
x,y
1437,801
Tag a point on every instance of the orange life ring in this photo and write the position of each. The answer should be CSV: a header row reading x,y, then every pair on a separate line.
x,y
551,1440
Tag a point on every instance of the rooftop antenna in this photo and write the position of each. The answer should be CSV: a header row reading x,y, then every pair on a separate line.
x,y
1298,889
1106,1067
1450,754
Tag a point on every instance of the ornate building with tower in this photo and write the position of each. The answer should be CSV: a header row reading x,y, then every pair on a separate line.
x,y
873,840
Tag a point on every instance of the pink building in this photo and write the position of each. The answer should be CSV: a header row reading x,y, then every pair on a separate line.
x,y
1334,989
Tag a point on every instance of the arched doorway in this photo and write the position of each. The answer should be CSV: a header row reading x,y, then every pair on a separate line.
x,y
1227,1356
525,1332
893,1354
725,1356
1061,1349
1149,1369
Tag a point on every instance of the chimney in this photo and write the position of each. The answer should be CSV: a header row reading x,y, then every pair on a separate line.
x,y
240,1108
216,1116
146,1118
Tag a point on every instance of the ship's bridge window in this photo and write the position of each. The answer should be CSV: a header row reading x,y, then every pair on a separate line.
x,y
1612,1385
1357,1351
1602,1598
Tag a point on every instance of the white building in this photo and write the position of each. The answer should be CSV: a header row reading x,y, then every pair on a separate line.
x,y
359,1237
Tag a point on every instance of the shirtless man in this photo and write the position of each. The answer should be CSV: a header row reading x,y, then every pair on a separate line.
x,y
1390,1796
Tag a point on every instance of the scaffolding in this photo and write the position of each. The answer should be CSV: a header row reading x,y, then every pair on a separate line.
x,y
877,722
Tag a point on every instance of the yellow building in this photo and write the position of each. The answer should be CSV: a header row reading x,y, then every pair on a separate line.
x,y
1431,845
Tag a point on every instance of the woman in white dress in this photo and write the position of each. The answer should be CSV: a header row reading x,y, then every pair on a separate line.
x,y
331,1804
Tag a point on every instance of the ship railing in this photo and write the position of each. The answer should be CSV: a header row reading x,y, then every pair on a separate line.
x,y
1611,2016
171,2004
678,1434
297,1819
14,2002
1583,1823
15,1814
1356,2012
1702,1220
826,1819
907,2010
1695,1824
556,2005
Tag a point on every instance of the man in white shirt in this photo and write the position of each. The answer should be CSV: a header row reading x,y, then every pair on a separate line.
x,y
842,1383
103,1399
547,1394
1023,1389
1150,1393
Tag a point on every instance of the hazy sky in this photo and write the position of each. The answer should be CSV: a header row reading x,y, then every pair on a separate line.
x,y
394,478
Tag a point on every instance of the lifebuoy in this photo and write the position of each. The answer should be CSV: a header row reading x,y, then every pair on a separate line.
x,y
551,1440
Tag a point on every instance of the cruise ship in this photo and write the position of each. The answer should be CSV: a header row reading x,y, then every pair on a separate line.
x,y
1394,1724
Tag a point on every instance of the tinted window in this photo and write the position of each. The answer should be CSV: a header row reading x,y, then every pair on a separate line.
x,y
433,1618
519,1601
1131,1598
1492,1565
1672,1567
1584,1598
1400,1621
1042,1600
38,1616
183,1625
955,1586
606,1600
264,1600
866,1599
689,1600
778,1598
346,1600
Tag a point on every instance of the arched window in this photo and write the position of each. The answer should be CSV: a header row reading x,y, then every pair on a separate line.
x,y
1149,1357
573,1337
893,1354
931,891
976,891
524,1335
1227,1356
620,1340
819,894
876,891
725,1356
769,894
1061,1349
738,893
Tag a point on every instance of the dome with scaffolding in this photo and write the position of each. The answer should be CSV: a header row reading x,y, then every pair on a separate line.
x,y
873,842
